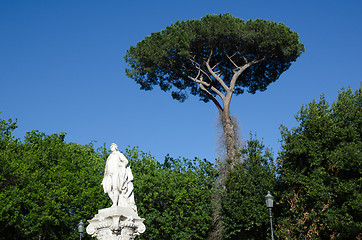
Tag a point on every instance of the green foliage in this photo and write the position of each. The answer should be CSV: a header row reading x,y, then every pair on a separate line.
x,y
6,128
173,197
243,205
320,171
170,58
47,185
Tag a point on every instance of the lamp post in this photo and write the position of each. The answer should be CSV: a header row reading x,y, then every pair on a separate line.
x,y
269,204
81,229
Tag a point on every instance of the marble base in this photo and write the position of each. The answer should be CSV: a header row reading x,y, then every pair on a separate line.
x,y
116,223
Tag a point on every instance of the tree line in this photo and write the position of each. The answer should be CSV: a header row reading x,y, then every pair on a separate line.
x,y
49,185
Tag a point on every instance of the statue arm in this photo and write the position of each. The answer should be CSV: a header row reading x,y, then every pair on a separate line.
x,y
124,160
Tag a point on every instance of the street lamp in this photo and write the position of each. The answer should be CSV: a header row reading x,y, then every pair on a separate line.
x,y
269,204
81,229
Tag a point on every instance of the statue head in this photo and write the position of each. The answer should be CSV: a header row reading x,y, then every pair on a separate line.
x,y
114,147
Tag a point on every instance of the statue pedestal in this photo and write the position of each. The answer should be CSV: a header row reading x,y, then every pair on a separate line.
x,y
116,223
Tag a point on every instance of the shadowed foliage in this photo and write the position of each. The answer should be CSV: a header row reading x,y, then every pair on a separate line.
x,y
320,171
243,207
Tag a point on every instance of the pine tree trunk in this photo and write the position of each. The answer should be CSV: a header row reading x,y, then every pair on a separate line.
x,y
230,139
230,131
231,143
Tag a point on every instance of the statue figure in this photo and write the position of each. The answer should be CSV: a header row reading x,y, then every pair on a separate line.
x,y
117,181
121,220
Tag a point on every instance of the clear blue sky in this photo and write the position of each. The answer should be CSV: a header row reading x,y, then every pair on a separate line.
x,y
62,70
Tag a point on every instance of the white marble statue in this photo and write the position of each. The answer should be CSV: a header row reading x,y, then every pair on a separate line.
x,y
121,220
117,181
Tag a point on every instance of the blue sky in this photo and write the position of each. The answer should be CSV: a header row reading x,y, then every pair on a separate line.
x,y
62,70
